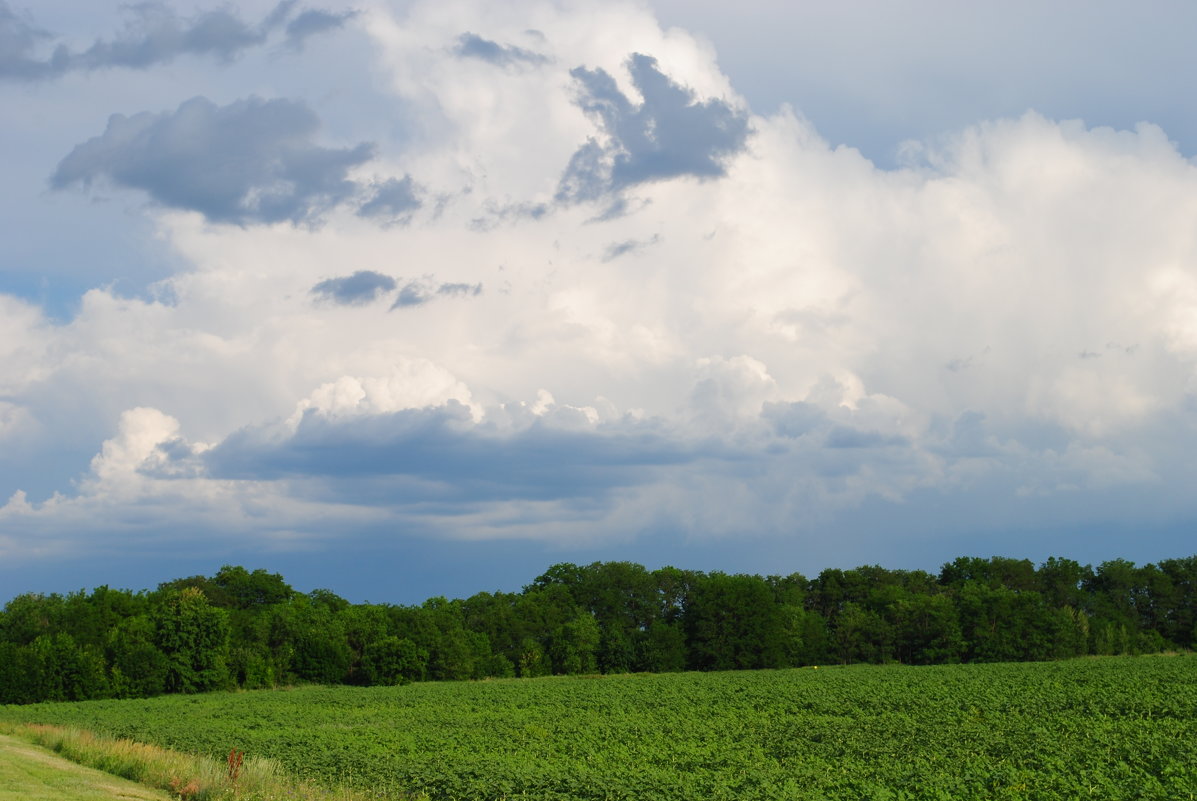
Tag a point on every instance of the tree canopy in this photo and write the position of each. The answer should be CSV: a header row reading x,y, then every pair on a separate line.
x,y
250,629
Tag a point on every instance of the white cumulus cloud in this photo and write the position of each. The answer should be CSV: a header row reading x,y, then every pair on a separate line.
x,y
762,335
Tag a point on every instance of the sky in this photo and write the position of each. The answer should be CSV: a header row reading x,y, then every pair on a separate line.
x,y
404,299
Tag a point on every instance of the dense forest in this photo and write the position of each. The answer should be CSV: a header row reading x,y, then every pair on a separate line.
x,y
243,629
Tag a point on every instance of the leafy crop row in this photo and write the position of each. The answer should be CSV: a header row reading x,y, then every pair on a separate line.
x,y
1111,728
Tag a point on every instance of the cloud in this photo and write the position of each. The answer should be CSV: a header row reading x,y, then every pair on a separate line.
x,y
617,249
312,22
18,41
471,45
669,135
812,343
440,455
841,437
13,419
393,201
413,293
252,161
136,449
358,289
459,290
417,293
155,34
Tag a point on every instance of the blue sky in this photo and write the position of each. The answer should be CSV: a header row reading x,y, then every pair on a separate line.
x,y
404,299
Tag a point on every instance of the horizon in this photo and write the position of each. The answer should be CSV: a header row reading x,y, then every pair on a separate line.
x,y
410,599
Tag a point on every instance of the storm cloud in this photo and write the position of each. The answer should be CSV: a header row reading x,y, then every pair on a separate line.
x,y
449,457
252,161
669,135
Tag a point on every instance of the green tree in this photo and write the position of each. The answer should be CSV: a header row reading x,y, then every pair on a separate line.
x,y
928,630
453,652
732,623
245,590
861,635
308,641
664,648
193,635
996,571
574,645
1062,582
1176,618
29,616
392,660
138,668
532,660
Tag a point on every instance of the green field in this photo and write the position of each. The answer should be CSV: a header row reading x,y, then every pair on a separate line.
x,y
1108,728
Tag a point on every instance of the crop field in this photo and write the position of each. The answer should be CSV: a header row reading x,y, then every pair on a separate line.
x,y
1109,728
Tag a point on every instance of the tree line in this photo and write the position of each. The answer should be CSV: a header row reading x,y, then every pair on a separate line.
x,y
243,629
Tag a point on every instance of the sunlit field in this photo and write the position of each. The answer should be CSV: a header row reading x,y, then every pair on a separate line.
x,y
1108,728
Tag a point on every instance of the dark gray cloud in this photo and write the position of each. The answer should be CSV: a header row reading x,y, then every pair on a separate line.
x,y
312,22
358,289
394,201
471,45
669,135
155,34
252,161
440,460
417,293
449,459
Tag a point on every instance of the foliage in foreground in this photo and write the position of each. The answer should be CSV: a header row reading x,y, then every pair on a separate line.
x,y
1109,728
186,776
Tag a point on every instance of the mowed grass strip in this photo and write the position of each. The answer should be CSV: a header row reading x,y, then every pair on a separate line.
x,y
31,773
119,761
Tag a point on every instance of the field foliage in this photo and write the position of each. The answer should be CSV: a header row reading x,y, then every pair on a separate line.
x,y
1108,728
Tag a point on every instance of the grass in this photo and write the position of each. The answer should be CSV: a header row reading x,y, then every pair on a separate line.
x,y
180,776
29,773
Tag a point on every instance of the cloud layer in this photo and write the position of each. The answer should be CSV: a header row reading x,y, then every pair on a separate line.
x,y
577,291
